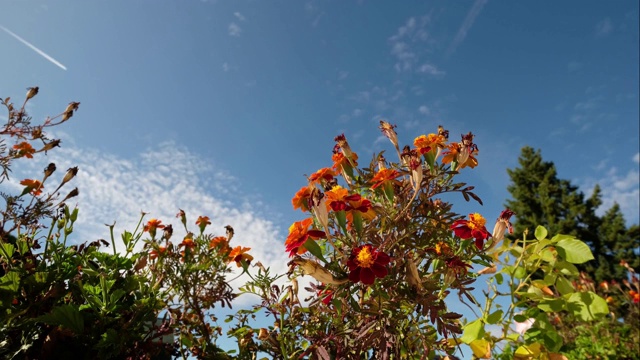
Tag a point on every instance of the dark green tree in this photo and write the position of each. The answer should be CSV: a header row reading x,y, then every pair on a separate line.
x,y
539,197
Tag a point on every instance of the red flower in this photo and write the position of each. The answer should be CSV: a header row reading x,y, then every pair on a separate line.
x,y
299,233
326,295
472,228
367,263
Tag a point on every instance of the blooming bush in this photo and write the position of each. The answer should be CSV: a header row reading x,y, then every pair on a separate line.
x,y
386,254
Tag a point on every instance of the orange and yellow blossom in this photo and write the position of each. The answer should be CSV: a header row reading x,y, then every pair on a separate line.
x,y
24,149
238,254
383,176
152,225
326,174
337,198
34,186
203,220
453,153
299,233
340,161
301,199
430,143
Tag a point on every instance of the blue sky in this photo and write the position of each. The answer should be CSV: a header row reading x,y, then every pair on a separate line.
x,y
221,107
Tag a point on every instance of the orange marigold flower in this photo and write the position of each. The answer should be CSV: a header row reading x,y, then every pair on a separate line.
x,y
366,264
24,149
337,198
220,243
340,161
33,186
202,222
323,174
188,242
383,176
238,254
454,153
152,225
472,228
361,205
301,199
430,143
154,254
299,233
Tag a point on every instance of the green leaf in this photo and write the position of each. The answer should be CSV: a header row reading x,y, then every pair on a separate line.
x,y
494,317
8,249
567,268
314,249
10,281
520,273
541,232
67,316
574,251
551,305
587,306
473,331
564,286
499,278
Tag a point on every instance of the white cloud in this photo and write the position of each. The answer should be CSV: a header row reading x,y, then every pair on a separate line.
x,y
159,181
604,27
225,67
411,43
239,16
473,13
234,29
424,109
343,75
430,70
618,187
356,112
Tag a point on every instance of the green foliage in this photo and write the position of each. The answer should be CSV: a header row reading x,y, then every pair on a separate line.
x,y
539,197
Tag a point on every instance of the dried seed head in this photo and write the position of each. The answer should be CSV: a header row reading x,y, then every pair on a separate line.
x,y
50,169
31,92
71,173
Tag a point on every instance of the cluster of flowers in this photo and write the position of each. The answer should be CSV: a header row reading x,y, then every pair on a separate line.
x,y
237,254
324,197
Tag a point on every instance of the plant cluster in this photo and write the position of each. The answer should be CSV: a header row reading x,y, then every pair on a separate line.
x,y
385,251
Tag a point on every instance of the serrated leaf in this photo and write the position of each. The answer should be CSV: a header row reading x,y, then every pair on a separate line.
x,y
10,281
67,316
541,232
574,251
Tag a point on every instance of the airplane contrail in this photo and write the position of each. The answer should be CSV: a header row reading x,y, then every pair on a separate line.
x,y
42,53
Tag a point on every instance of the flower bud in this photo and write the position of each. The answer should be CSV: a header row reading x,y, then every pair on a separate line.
x,y
71,173
32,91
49,170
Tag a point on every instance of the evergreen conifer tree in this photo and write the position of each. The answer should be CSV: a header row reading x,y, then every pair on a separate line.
x,y
539,197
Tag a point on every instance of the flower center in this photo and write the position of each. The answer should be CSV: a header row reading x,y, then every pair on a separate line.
x,y
476,221
365,258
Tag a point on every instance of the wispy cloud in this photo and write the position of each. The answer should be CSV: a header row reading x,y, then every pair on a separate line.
x,y
226,67
160,181
424,110
604,27
343,75
32,47
412,44
618,187
239,16
473,13
235,29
